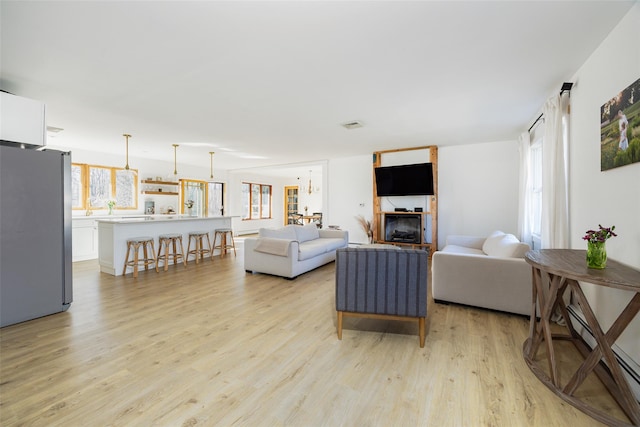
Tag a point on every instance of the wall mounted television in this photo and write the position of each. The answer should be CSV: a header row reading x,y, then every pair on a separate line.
x,y
404,180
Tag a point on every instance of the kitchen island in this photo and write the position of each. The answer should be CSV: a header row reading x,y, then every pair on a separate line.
x,y
113,234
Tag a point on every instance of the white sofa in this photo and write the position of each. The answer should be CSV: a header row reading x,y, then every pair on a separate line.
x,y
292,250
487,272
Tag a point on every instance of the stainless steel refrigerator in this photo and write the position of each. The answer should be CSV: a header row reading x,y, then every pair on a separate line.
x,y
35,233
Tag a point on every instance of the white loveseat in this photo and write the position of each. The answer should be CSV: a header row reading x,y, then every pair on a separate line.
x,y
292,250
487,272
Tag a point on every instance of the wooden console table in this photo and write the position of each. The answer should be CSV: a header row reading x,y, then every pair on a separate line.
x,y
554,272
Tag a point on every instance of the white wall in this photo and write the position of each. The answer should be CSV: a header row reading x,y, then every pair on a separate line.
x,y
350,193
477,189
611,197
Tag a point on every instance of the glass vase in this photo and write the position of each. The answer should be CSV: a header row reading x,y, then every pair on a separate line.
x,y
596,255
110,208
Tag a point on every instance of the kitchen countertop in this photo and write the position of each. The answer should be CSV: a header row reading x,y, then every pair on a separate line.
x,y
155,218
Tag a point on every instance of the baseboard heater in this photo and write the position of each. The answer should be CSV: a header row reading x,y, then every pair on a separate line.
x,y
245,232
630,368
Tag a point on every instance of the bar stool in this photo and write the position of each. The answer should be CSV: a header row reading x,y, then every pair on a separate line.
x,y
200,250
224,243
170,244
136,243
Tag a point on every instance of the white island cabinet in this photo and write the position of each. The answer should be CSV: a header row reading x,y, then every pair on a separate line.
x,y
113,234
84,239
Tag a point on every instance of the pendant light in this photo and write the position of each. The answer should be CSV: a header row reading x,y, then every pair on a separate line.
x,y
310,189
175,160
126,166
211,153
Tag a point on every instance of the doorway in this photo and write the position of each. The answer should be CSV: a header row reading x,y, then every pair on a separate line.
x,y
290,203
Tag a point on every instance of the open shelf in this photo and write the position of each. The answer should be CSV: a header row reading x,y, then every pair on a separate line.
x,y
161,193
147,181
157,192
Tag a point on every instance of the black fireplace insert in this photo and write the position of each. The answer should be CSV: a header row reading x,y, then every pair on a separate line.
x,y
403,228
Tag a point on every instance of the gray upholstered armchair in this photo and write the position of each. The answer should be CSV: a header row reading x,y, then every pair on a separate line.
x,y
387,283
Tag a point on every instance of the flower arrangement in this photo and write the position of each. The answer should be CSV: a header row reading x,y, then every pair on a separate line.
x,y
596,251
111,203
366,226
189,204
601,235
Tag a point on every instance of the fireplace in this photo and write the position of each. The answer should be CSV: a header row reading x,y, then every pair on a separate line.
x,y
402,228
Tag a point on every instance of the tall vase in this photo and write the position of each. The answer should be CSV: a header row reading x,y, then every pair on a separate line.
x,y
596,255
110,210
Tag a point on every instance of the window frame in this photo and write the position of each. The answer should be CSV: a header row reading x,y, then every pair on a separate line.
x,y
253,209
85,183
204,187
216,188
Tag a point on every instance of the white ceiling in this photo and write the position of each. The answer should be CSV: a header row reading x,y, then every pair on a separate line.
x,y
269,83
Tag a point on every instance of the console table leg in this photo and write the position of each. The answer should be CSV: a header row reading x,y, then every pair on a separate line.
x,y
619,387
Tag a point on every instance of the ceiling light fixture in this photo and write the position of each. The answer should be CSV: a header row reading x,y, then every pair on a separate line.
x,y
175,161
126,144
126,166
310,189
211,153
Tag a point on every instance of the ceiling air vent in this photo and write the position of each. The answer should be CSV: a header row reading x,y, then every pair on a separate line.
x,y
352,125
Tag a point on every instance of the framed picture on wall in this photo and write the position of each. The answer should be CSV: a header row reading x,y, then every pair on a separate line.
x,y
620,128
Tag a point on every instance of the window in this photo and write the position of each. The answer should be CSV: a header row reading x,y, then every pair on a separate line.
x,y
216,201
256,201
94,185
126,188
195,191
78,186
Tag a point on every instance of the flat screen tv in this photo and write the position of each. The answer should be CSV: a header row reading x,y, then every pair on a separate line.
x,y
404,180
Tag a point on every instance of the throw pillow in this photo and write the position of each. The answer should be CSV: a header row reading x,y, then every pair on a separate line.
x,y
492,241
307,232
280,233
506,247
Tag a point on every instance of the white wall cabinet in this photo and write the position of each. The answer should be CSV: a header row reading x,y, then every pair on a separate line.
x,y
23,120
84,238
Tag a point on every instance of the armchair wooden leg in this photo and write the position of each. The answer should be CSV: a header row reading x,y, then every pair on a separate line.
x,y
339,325
422,331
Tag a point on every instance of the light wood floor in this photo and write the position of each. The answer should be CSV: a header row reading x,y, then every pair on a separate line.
x,y
212,345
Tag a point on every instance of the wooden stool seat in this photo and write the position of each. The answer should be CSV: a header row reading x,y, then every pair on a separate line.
x,y
170,241
199,249
224,243
136,243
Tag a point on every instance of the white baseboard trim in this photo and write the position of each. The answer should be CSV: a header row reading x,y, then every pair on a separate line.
x,y
630,367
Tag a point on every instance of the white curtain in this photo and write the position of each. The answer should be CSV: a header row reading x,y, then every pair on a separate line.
x,y
555,202
524,196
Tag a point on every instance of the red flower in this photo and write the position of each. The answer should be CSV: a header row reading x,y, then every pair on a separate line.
x,y
601,235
